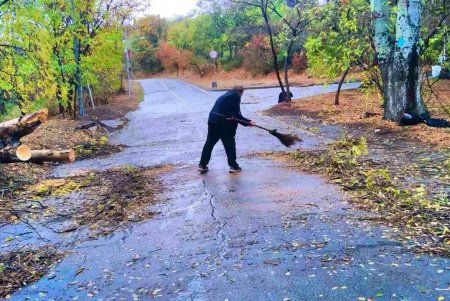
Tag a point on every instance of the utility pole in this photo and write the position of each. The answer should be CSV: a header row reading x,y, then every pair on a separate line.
x,y
76,52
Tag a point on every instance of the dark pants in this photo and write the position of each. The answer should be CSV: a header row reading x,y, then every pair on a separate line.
x,y
216,133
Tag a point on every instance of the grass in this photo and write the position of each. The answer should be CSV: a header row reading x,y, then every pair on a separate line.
x,y
137,90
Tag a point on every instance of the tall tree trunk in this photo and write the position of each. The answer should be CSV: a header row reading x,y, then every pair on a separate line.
x,y
287,95
79,88
399,59
263,8
383,42
406,71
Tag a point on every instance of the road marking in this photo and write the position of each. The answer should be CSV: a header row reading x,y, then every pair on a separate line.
x,y
198,88
163,84
171,92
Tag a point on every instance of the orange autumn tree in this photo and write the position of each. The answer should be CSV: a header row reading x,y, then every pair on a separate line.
x,y
173,58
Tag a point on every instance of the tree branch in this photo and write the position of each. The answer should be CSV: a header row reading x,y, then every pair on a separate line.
x,y
3,2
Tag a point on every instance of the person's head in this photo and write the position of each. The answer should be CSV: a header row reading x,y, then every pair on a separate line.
x,y
238,89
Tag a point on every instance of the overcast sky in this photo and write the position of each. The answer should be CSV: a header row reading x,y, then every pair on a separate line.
x,y
169,8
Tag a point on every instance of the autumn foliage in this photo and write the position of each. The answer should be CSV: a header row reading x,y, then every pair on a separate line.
x,y
257,56
173,58
299,62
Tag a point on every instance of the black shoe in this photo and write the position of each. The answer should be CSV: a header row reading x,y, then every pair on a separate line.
x,y
202,168
235,169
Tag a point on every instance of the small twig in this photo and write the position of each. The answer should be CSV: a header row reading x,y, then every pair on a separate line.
x,y
28,224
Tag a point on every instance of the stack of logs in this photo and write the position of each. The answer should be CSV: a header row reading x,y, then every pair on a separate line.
x,y
11,151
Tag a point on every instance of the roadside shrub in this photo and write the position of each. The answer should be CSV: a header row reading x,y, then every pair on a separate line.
x,y
144,58
299,62
233,63
256,55
200,65
102,69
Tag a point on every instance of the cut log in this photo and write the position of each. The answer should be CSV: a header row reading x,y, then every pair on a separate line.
x,y
24,154
39,156
21,154
41,115
11,131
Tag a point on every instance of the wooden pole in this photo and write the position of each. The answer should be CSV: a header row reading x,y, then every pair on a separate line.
x,y
90,95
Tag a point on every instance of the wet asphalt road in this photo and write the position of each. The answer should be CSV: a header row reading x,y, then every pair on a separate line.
x,y
268,233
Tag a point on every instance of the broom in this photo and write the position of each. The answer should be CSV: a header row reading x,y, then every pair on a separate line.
x,y
286,139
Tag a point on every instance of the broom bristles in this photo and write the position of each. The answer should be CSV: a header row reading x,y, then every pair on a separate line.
x,y
287,139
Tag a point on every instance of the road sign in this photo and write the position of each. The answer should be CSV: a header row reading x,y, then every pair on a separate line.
x,y
213,54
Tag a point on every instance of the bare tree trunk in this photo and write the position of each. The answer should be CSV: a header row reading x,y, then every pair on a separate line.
x,y
338,92
263,8
287,95
79,88
405,72
399,63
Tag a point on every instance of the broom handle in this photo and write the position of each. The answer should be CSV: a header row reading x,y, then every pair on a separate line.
x,y
243,121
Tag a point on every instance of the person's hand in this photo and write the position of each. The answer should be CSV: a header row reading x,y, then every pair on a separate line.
x,y
251,123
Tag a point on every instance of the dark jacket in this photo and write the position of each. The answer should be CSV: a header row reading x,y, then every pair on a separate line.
x,y
229,105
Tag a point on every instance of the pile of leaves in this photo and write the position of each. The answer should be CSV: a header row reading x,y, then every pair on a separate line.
x,y
102,201
9,187
422,213
121,196
96,148
26,265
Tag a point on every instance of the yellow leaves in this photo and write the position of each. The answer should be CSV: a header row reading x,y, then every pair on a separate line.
x,y
54,187
47,184
103,140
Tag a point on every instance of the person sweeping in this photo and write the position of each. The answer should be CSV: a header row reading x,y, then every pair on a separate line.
x,y
222,125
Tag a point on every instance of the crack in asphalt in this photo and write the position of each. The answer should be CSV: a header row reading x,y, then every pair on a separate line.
x,y
221,225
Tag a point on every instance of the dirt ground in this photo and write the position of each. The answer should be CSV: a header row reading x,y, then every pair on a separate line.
x,y
226,80
354,104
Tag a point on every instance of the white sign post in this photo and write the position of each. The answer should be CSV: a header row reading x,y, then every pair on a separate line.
x,y
213,55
